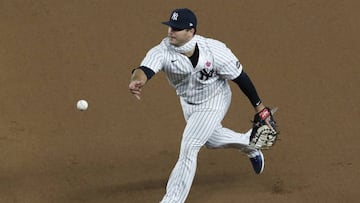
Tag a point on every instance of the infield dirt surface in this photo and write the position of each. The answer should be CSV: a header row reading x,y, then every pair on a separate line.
x,y
303,57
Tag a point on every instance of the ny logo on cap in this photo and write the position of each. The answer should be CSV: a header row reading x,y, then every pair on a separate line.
x,y
175,16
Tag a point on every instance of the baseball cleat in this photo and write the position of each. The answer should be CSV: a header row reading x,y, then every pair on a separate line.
x,y
258,162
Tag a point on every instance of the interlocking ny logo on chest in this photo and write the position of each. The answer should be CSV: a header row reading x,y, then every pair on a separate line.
x,y
206,72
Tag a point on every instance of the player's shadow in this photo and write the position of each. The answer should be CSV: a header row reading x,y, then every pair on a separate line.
x,y
128,188
114,190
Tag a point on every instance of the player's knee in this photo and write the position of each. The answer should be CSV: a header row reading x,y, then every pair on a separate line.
x,y
210,145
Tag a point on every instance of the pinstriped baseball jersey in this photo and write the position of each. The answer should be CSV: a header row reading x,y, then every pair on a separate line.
x,y
205,96
196,85
201,82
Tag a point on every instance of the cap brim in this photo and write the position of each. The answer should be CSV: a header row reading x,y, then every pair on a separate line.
x,y
168,23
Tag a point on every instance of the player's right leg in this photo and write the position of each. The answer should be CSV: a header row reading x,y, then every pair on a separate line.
x,y
199,127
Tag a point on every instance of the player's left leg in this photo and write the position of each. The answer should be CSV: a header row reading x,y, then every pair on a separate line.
x,y
226,138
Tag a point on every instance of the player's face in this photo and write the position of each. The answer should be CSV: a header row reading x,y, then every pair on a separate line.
x,y
179,37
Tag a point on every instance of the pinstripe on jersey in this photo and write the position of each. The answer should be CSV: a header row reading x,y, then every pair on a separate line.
x,y
215,59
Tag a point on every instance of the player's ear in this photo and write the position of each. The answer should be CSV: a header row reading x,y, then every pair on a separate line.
x,y
192,30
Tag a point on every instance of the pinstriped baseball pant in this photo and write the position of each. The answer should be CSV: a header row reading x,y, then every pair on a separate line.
x,y
203,127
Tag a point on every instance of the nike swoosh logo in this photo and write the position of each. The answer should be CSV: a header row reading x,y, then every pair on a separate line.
x,y
172,61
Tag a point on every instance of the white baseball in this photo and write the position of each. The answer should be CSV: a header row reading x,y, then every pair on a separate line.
x,y
82,105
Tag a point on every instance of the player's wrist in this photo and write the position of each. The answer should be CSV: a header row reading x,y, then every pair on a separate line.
x,y
259,107
138,75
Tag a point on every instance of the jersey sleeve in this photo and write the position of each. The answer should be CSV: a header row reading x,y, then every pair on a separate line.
x,y
228,65
154,59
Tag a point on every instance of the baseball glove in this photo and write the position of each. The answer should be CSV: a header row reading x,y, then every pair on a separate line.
x,y
264,130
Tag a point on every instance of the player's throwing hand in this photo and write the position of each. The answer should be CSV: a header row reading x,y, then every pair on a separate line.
x,y
135,88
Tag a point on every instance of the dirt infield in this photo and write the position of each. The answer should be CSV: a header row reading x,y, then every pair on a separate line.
x,y
303,57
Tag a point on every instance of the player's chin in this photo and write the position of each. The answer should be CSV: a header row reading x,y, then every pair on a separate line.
x,y
173,41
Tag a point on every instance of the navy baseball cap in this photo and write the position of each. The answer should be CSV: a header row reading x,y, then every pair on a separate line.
x,y
182,18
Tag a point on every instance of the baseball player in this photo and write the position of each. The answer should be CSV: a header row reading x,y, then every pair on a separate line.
x,y
199,69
